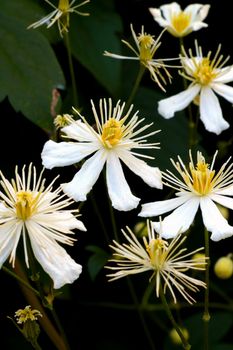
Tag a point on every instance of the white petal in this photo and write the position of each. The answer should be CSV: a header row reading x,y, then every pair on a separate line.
x,y
198,11
210,112
62,221
214,221
64,153
170,105
226,75
9,237
223,200
150,175
223,90
161,207
52,257
118,189
226,191
86,177
179,220
198,25
156,13
170,9
80,131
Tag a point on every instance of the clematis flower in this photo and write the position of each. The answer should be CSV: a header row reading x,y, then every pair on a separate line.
x,y
146,48
208,77
180,23
167,261
200,186
38,214
61,15
111,140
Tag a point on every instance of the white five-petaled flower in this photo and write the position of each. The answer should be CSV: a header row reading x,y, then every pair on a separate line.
x,y
207,76
38,214
180,23
61,15
146,48
167,260
200,185
112,140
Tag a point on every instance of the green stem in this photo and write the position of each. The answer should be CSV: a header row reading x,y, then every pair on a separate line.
x,y
71,68
185,343
206,315
136,86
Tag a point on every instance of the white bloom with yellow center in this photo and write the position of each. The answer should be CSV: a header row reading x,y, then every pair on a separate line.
x,y
166,259
111,140
180,23
146,48
207,76
61,15
200,186
38,214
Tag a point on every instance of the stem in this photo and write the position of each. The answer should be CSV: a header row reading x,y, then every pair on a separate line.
x,y
60,328
71,68
206,315
136,86
185,343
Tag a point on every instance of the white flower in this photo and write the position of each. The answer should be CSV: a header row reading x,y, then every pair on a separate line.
x,y
180,23
35,212
146,48
111,140
165,259
60,15
200,186
207,77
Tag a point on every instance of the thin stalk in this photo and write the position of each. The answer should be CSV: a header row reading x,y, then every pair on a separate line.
x,y
206,315
185,343
71,68
136,86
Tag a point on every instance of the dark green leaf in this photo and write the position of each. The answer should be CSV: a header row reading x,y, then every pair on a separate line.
x,y
29,71
91,36
97,261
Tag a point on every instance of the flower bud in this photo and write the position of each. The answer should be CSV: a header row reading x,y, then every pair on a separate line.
x,y
175,338
223,267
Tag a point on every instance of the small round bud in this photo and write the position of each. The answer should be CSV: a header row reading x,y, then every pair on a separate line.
x,y
223,267
175,338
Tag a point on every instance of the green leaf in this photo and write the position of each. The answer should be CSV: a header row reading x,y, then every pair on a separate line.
x,y
91,36
29,71
223,347
97,261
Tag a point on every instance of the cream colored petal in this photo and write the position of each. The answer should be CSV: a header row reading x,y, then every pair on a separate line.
x,y
170,105
226,191
210,112
170,9
214,221
53,258
62,221
179,220
157,15
79,131
9,237
225,75
65,153
86,177
118,189
223,90
150,175
223,200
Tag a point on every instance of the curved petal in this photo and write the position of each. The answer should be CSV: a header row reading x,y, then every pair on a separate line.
x,y
210,112
169,10
52,257
170,105
9,237
150,175
179,220
223,90
156,13
65,153
223,200
79,131
225,76
198,25
118,189
86,177
198,11
214,221
228,191
161,207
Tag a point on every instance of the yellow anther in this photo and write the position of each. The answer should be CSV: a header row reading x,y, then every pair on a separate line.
x,y
204,72
181,21
112,133
25,205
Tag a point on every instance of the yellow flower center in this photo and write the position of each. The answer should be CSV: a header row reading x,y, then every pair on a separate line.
x,y
204,73
112,133
202,178
24,315
63,5
145,42
180,21
25,204
157,252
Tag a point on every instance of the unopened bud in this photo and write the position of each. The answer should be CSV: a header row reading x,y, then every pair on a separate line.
x,y
223,267
175,338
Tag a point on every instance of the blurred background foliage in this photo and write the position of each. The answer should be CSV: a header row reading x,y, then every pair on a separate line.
x,y
35,85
